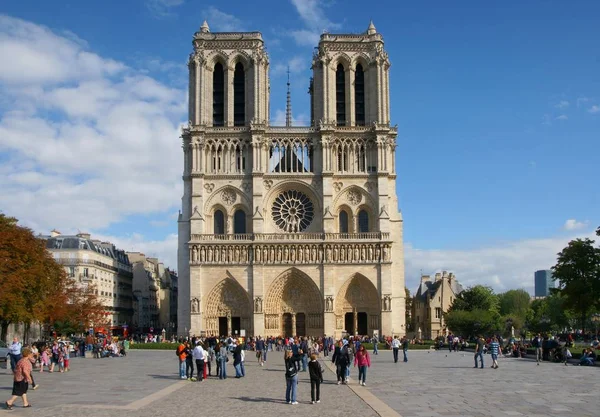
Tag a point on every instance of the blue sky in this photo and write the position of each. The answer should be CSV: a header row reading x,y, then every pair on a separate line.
x,y
498,109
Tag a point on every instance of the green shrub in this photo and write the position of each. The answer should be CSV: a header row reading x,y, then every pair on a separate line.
x,y
163,346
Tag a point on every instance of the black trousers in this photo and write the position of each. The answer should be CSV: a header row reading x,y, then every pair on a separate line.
x,y
395,354
200,369
340,371
218,367
209,368
315,385
189,368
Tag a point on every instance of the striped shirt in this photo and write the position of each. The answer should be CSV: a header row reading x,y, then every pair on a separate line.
x,y
494,348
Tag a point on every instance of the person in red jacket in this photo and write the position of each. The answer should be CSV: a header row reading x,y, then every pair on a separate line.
x,y
363,361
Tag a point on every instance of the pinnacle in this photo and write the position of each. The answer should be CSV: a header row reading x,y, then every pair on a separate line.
x,y
204,28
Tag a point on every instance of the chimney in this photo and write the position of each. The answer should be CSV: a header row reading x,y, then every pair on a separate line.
x,y
451,278
425,278
438,276
445,274
83,235
54,233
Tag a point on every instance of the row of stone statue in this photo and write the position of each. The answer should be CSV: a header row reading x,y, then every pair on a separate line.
x,y
351,253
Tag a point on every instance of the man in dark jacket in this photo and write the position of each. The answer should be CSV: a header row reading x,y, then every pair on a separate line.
x,y
341,358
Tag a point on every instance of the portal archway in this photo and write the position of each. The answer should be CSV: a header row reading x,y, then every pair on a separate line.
x,y
294,297
228,308
357,306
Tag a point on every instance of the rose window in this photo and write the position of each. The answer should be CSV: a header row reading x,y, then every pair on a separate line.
x,y
293,211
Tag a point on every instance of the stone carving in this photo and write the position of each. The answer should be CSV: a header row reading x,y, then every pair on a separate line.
x,y
329,303
209,187
387,303
338,322
246,186
370,186
292,211
337,186
195,306
354,197
194,253
268,184
258,305
228,197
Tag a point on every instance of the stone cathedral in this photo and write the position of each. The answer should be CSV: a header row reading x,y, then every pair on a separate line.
x,y
289,230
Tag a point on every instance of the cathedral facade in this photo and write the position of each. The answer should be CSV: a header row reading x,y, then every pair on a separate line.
x,y
290,230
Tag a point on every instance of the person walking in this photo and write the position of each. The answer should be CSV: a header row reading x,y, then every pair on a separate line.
x,y
223,359
14,352
494,350
237,360
405,348
260,346
316,379
304,350
537,344
375,342
199,355
291,377
341,358
21,379
363,361
395,348
479,350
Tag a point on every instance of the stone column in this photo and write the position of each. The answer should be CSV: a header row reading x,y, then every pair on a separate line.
x,y
229,96
293,325
355,318
229,329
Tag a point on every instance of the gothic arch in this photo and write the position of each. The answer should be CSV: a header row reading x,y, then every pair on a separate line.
x,y
358,296
304,188
366,200
344,59
241,57
227,299
215,57
217,199
362,59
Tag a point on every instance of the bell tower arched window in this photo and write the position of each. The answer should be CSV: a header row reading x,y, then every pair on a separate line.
x,y
239,96
363,221
239,222
219,223
218,95
359,95
340,95
343,219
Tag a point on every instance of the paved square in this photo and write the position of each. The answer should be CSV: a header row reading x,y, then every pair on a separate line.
x,y
431,384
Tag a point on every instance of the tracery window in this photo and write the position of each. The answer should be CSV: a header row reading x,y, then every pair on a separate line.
x,y
343,221
354,155
292,211
359,96
218,95
340,95
291,155
219,223
226,156
239,97
363,221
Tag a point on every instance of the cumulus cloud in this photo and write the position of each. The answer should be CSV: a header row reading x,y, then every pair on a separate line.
x,y
315,21
165,250
84,139
502,266
562,117
573,224
296,64
594,109
222,22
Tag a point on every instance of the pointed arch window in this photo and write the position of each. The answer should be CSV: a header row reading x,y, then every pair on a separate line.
x,y
218,95
239,95
340,95
359,95
363,221
219,223
343,220
239,222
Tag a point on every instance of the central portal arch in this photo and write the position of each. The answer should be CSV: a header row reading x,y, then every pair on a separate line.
x,y
357,307
294,306
228,309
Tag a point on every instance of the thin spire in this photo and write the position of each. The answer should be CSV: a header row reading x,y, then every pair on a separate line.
x,y
288,107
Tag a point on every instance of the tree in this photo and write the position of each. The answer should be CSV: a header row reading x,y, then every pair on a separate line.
x,y
408,311
578,272
472,323
478,297
514,303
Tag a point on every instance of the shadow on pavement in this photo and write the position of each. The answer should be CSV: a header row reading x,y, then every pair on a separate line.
x,y
174,377
260,400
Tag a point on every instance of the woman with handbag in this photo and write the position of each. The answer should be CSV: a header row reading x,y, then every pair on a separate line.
x,y
291,377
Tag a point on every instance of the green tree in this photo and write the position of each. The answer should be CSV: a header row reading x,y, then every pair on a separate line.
x,y
472,323
578,272
478,297
514,303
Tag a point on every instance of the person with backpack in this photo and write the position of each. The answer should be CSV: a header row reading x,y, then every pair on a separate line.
x,y
316,378
291,377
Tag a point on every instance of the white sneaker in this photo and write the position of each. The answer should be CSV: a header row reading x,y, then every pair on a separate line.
x,y
339,382
294,402
312,402
318,401
364,384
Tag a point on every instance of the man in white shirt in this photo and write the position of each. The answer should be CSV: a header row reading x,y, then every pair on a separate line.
x,y
199,354
395,348
14,351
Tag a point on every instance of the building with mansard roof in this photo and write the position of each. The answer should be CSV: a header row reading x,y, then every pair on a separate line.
x,y
289,230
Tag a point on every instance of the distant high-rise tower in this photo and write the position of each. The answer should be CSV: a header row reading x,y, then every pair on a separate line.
x,y
543,282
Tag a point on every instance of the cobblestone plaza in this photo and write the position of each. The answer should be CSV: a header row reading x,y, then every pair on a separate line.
x,y
431,384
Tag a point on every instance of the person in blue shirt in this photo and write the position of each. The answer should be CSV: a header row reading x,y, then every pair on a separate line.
x,y
14,351
495,351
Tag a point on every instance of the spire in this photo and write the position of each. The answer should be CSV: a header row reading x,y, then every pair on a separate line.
x,y
288,106
204,28
371,30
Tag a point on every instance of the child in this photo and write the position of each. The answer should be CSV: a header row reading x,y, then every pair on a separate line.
x,y
45,358
66,357
316,377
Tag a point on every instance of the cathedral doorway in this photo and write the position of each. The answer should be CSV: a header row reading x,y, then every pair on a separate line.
x,y
357,306
293,306
228,308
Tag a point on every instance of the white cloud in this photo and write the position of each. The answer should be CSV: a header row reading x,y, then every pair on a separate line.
x,y
84,140
315,21
573,224
502,266
165,250
594,109
562,117
563,104
301,119
162,8
582,100
296,65
222,22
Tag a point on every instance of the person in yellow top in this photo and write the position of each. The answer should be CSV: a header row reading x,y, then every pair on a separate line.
x,y
181,355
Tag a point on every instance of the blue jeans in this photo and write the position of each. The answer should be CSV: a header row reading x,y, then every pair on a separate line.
x,y
223,369
480,355
238,370
265,354
242,369
375,349
362,374
304,362
182,366
347,371
404,352
13,360
291,388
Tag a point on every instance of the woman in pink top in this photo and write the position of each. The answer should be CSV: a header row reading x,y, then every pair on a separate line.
x,y
363,361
